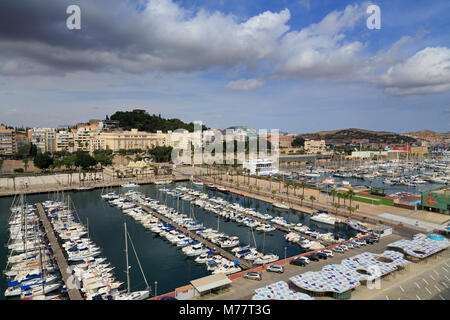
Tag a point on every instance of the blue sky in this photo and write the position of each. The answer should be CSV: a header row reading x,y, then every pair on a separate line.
x,y
298,66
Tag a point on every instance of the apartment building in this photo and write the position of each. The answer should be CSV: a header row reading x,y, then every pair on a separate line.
x,y
64,141
315,146
132,139
8,143
43,138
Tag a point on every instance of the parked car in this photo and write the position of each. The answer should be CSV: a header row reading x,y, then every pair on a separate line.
x,y
275,268
328,252
313,257
349,245
306,259
360,242
322,255
370,241
298,262
355,244
253,276
338,249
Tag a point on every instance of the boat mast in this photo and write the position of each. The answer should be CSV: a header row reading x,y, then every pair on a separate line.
x,y
126,255
139,263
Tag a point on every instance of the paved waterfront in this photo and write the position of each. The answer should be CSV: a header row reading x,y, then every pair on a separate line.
x,y
242,288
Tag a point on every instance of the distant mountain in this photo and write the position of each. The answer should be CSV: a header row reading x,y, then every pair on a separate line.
x,y
427,133
349,135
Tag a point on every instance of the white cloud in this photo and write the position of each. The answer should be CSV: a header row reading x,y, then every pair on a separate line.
x,y
166,38
320,51
428,71
245,84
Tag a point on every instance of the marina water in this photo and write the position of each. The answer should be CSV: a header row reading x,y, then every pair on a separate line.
x,y
161,261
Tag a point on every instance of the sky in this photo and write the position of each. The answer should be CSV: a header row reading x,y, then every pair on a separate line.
x,y
298,66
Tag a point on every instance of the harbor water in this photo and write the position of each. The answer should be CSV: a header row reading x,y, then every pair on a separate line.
x,y
161,261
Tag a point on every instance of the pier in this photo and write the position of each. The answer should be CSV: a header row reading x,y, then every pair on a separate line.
x,y
54,183
74,294
276,225
244,264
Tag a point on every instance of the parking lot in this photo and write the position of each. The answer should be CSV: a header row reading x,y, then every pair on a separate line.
x,y
242,288
427,280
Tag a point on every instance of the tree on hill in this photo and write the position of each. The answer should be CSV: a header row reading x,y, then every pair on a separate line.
x,y
149,123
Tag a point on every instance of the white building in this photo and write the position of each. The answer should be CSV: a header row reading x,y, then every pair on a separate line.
x,y
261,167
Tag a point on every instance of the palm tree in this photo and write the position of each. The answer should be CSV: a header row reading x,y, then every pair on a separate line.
x,y
336,206
351,209
274,192
295,185
344,196
303,185
25,164
339,196
287,184
333,193
301,197
351,194
312,198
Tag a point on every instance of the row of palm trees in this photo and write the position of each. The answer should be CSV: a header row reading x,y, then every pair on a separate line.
x,y
288,186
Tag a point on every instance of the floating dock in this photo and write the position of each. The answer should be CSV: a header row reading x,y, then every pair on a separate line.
x,y
74,294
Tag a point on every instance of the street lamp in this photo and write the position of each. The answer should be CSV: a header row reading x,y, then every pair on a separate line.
x,y
285,255
156,287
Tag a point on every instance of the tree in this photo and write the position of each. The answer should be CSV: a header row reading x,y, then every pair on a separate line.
x,y
333,193
351,209
336,206
25,164
68,161
351,194
312,198
161,154
103,158
84,160
43,161
301,197
299,142
303,185
33,151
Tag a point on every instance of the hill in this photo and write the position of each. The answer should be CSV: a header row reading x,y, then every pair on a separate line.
x,y
427,133
349,135
149,123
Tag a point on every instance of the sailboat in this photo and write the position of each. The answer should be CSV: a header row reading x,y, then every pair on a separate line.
x,y
137,295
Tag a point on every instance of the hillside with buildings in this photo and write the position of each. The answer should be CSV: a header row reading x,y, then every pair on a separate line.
x,y
360,136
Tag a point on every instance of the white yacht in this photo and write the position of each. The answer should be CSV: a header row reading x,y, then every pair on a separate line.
x,y
130,185
280,206
323,218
